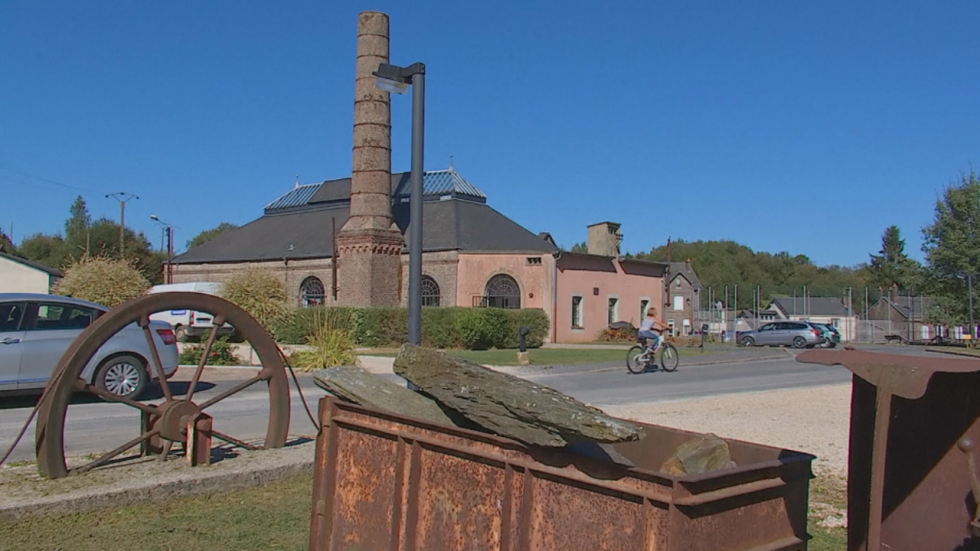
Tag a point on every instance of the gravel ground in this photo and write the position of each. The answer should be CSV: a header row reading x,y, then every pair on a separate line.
x,y
812,420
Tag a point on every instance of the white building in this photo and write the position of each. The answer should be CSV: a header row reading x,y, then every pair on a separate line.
x,y
18,275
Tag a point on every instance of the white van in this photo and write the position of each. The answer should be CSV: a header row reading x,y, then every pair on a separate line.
x,y
188,323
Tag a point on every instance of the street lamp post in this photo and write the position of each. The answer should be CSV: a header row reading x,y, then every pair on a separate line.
x,y
397,80
973,327
168,232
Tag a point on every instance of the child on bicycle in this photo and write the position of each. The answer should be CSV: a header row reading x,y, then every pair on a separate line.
x,y
651,328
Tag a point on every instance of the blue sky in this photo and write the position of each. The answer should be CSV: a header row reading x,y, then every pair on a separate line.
x,y
806,127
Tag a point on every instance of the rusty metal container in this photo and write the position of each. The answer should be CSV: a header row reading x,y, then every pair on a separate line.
x,y
912,473
388,482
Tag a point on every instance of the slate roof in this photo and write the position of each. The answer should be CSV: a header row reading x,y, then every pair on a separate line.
x,y
685,269
917,307
292,228
815,306
589,262
643,267
36,265
436,184
599,263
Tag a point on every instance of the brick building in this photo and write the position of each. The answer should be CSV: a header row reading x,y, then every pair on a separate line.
x,y
345,241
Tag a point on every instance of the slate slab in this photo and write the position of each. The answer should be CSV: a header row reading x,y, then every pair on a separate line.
x,y
507,405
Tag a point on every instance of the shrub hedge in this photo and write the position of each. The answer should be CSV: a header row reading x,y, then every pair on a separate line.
x,y
467,328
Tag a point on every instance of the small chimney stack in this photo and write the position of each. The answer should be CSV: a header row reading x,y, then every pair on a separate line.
x,y
605,239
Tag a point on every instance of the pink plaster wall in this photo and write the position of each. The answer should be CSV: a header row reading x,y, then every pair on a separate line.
x,y
475,270
628,288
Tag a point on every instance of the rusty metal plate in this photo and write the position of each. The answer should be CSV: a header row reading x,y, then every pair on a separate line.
x,y
910,479
384,481
905,376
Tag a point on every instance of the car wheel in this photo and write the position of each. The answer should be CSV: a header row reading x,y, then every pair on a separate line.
x,y
799,342
180,333
747,341
833,345
124,376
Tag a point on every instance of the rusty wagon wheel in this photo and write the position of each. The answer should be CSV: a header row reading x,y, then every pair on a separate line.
x,y
167,417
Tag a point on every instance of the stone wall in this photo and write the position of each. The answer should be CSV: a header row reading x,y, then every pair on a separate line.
x,y
440,266
291,272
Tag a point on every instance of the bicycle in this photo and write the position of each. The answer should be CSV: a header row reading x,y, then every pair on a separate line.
x,y
641,357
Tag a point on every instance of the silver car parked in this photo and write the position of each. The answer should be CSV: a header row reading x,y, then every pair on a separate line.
x,y
798,334
37,329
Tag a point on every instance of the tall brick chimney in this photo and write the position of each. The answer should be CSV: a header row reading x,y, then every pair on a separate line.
x,y
370,244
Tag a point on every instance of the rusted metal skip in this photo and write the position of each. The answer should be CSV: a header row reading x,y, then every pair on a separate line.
x,y
911,473
383,481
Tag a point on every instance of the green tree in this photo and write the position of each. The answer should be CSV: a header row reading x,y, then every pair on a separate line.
x,y
104,241
77,225
952,248
208,235
49,250
721,263
582,248
6,245
891,266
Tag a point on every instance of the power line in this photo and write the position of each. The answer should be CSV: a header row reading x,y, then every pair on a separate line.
x,y
9,168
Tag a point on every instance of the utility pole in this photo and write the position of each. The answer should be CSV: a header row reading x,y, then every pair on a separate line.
x,y
123,198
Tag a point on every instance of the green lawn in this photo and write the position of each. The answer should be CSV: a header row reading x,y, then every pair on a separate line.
x,y
274,517
545,356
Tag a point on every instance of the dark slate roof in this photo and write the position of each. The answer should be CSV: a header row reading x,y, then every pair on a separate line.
x,y
643,267
36,265
451,224
303,234
586,262
599,263
917,307
687,271
435,185
815,306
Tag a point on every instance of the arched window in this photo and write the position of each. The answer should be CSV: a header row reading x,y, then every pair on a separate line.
x,y
430,291
502,292
311,292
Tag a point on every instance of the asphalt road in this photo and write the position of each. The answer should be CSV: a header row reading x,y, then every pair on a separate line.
x,y
93,425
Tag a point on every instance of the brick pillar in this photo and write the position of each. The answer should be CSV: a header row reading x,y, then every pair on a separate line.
x,y
370,244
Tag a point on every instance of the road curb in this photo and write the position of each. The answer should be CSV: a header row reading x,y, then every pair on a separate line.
x,y
544,369
200,483
952,353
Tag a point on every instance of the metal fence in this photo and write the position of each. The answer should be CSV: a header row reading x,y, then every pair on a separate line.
x,y
722,325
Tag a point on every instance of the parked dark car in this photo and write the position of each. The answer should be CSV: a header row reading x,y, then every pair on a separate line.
x,y
830,334
798,334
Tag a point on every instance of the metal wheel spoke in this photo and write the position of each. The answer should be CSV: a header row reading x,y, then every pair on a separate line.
x,y
89,466
205,353
167,446
110,397
155,359
163,418
235,389
232,440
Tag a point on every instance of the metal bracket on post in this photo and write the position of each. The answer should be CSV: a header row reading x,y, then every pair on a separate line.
x,y
522,356
198,447
154,444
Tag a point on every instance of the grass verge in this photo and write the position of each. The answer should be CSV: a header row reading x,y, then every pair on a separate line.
x,y
272,517
546,356
828,513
